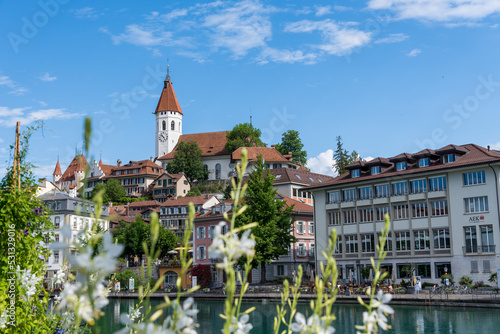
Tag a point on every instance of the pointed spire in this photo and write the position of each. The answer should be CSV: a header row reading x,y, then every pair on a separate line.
x,y
57,170
168,100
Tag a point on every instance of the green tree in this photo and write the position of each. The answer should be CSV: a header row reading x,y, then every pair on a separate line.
x,y
243,135
343,158
167,240
195,191
291,142
273,234
132,235
187,159
114,191
100,188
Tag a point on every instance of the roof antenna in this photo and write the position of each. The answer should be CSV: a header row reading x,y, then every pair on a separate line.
x,y
250,115
167,78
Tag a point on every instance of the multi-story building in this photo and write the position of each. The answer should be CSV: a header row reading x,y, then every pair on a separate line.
x,y
74,212
170,186
72,178
444,209
136,176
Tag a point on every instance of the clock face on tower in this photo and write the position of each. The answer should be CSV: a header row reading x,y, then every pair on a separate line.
x,y
163,137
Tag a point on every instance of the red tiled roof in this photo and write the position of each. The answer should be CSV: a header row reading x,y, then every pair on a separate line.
x,y
378,161
79,163
475,155
402,157
269,154
210,143
106,169
143,203
57,170
184,201
292,175
168,100
298,205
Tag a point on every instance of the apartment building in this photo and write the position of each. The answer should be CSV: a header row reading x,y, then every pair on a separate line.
x,y
444,209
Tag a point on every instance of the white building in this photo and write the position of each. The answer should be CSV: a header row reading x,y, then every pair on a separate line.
x,y
444,209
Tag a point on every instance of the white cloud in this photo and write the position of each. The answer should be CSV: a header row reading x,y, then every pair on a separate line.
x,y
240,28
393,38
495,146
46,77
86,13
15,88
286,56
9,116
323,10
439,10
414,53
338,39
322,164
140,36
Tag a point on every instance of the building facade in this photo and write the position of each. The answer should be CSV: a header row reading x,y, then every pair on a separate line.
x,y
170,186
444,210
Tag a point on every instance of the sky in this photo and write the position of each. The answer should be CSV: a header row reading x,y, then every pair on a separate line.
x,y
389,76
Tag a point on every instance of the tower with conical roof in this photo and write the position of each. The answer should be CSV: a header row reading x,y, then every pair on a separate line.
x,y
56,176
168,119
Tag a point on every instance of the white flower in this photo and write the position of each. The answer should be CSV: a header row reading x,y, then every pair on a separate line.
x,y
3,319
378,316
313,325
242,326
29,282
59,276
230,247
184,315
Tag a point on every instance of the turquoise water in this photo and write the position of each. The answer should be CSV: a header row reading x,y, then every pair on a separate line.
x,y
407,319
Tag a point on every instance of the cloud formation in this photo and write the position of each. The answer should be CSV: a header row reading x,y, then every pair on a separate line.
x,y
15,88
414,53
322,164
46,77
392,38
9,116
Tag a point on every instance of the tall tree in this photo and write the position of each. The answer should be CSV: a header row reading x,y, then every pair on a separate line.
x,y
243,135
187,159
291,142
273,234
132,235
343,158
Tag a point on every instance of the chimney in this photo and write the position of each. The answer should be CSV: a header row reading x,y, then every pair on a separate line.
x,y
151,158
272,145
488,148
118,162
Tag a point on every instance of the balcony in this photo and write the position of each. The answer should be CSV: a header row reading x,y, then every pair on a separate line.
x,y
478,250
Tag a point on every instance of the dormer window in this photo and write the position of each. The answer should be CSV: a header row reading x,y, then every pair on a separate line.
x,y
355,173
375,170
424,162
448,158
401,166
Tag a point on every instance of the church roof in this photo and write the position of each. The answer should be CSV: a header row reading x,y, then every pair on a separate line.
x,y
269,154
168,100
79,163
57,170
210,143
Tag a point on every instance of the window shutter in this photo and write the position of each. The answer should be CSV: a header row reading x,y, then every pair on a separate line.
x,y
285,270
275,269
486,266
198,233
198,253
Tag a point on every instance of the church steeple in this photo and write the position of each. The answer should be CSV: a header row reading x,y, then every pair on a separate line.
x,y
168,99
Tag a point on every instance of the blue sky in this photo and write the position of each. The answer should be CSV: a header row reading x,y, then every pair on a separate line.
x,y
389,76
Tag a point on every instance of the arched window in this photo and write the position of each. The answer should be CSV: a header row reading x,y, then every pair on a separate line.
x,y
217,172
164,126
172,126
170,278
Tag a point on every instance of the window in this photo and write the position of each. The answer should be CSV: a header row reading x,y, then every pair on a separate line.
x,y
310,225
172,126
418,186
278,166
388,242
334,218
375,170
301,249
439,208
280,270
367,243
400,188
300,227
403,241
487,242
355,173
424,162
381,211
470,239
365,193
350,217
423,270
401,211
218,172
382,190
57,222
401,166
333,196
202,253
441,239
311,249
56,256
440,269
170,278
419,210
278,176
164,125
422,241
56,236
365,215
476,204
448,158
437,183
338,245
200,233
351,244
349,195
474,178
211,231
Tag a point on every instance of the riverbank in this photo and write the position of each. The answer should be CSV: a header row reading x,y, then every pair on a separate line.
x,y
424,298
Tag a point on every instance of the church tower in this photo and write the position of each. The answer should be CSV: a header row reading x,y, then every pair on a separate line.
x,y
168,119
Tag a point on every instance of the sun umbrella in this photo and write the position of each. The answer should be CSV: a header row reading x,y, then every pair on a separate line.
x,y
172,252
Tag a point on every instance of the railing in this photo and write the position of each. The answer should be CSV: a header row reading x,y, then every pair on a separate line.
x,y
479,249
